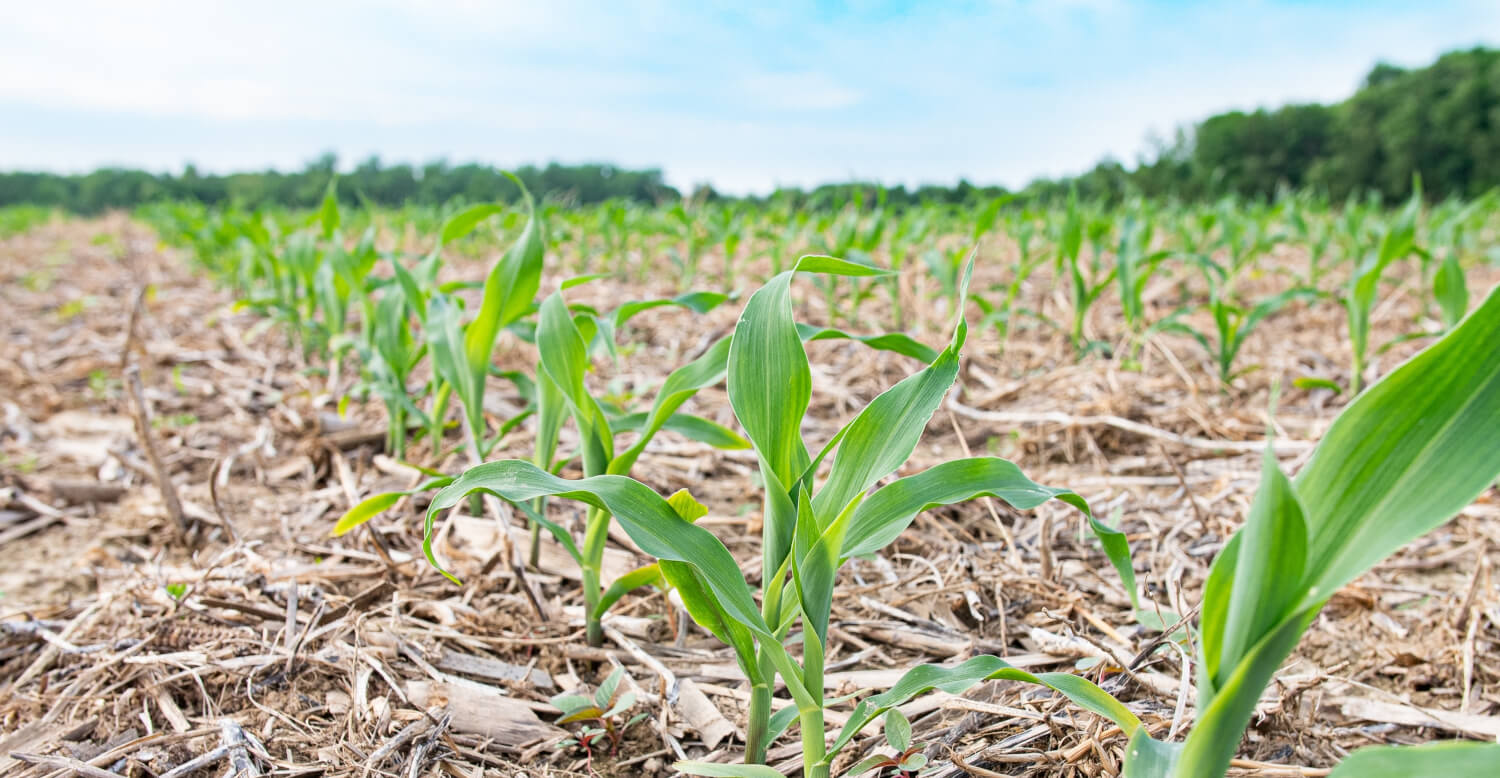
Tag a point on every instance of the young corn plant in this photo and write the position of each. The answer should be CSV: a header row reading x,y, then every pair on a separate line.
x,y
1002,314
1397,240
389,357
1134,267
848,238
567,339
461,351
1452,239
1087,282
1398,462
1313,229
809,529
1233,323
562,389
912,228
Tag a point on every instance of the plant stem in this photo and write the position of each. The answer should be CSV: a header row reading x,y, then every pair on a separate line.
x,y
476,501
596,531
595,630
759,720
535,556
814,746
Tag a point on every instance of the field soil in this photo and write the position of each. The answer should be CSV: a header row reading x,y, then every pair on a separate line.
x,y
233,632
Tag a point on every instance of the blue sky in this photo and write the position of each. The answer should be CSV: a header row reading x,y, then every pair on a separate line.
x,y
741,94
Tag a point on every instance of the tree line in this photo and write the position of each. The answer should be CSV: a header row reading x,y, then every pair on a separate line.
x,y
1441,122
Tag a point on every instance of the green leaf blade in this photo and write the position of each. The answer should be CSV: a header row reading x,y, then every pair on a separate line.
x,y
1453,759
1406,455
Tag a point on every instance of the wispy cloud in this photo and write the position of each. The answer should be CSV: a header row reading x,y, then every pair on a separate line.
x,y
805,91
745,96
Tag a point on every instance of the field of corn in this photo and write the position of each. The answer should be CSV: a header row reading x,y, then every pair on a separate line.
x,y
736,489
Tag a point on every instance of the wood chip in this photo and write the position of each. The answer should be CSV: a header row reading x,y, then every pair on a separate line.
x,y
484,711
702,714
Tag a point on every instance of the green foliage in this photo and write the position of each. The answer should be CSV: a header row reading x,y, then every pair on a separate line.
x,y
1394,240
602,710
1433,121
1232,325
1398,462
1433,760
809,530
1405,455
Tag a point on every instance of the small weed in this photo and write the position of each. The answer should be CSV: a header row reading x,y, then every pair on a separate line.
x,y
102,385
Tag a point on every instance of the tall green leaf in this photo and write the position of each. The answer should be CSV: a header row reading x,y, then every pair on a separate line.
x,y
1267,576
1406,455
1453,759
1399,461
466,221
887,512
509,290
885,433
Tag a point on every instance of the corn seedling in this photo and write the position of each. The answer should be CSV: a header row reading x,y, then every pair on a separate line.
x,y
19,219
1398,462
1232,324
1314,230
564,357
808,532
461,351
1450,243
1085,285
912,228
1134,267
1397,240
1002,315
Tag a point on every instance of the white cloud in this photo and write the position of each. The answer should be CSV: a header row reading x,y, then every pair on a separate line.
x,y
804,91
746,97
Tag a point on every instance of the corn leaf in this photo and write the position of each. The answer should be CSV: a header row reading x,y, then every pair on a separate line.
x,y
770,382
1400,460
635,579
509,290
328,213
1451,290
885,433
704,608
464,222
649,520
959,678
1147,757
769,387
1406,455
1452,759
888,511
896,342
1270,558
680,385
376,504
563,353
697,302
445,346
